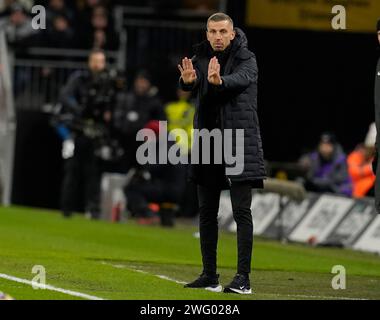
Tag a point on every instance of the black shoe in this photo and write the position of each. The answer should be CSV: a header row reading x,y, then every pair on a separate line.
x,y
207,282
240,284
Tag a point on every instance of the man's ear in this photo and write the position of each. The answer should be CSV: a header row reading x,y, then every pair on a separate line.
x,y
233,35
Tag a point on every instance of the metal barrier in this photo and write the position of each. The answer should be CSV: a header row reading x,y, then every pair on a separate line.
x,y
37,83
156,40
7,124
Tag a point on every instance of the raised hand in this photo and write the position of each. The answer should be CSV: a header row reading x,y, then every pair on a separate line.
x,y
213,76
187,70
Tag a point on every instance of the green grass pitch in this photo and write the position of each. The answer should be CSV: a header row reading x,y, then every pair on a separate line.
x,y
126,261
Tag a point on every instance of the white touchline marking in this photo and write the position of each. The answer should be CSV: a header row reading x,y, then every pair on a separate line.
x,y
170,279
133,268
49,287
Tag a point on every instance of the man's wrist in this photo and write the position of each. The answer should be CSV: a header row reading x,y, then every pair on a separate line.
x,y
217,84
187,83
220,82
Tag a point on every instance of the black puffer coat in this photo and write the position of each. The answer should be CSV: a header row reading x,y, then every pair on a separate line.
x,y
237,98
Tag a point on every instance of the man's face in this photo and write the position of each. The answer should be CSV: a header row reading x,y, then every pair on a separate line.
x,y
220,34
378,36
99,21
18,18
326,150
142,86
60,24
97,62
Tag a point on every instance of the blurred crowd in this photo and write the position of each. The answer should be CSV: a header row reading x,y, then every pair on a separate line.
x,y
69,24
80,24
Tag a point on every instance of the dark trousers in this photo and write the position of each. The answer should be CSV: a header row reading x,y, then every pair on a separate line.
x,y
241,197
82,171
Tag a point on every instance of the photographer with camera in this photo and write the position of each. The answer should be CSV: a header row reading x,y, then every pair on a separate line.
x,y
85,124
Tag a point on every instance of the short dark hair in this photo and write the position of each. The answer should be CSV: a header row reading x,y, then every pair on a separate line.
x,y
220,16
145,74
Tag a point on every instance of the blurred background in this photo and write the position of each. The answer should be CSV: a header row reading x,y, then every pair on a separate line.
x,y
312,80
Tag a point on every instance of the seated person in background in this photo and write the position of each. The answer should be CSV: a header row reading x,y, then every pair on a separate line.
x,y
154,183
60,34
58,8
360,166
103,36
326,168
133,110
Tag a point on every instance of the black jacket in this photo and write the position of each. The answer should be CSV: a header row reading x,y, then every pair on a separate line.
x,y
237,104
164,181
376,163
131,114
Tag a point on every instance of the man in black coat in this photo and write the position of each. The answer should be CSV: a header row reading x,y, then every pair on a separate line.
x,y
223,74
376,163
